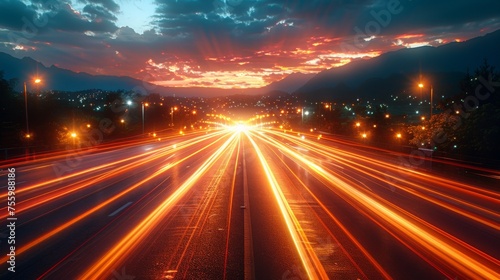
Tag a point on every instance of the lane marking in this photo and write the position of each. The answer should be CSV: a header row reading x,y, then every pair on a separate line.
x,y
120,209
248,258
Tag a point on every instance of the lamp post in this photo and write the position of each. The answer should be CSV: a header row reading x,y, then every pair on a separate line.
x,y
172,109
142,105
28,135
26,110
432,93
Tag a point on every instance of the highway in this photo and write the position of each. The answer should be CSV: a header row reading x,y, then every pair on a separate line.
x,y
248,203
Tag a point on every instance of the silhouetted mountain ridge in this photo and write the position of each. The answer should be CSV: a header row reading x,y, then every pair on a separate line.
x,y
56,78
377,77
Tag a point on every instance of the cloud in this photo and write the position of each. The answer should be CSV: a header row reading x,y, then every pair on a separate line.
x,y
110,5
99,13
14,14
232,42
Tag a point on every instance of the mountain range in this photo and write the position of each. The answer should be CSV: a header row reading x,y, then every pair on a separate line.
x,y
65,80
441,67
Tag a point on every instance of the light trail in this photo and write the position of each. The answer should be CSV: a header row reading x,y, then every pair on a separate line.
x,y
125,246
310,261
203,209
43,237
230,204
450,251
142,158
341,226
363,168
361,182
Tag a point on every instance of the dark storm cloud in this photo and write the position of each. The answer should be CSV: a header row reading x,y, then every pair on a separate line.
x,y
14,13
107,4
56,15
428,16
338,18
68,20
196,36
98,12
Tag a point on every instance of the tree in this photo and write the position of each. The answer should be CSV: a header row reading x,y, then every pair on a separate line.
x,y
11,114
471,123
438,132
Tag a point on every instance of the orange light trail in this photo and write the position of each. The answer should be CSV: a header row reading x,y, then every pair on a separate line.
x,y
369,185
29,245
313,266
116,254
447,249
341,156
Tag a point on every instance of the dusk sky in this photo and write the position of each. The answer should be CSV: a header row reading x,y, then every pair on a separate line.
x,y
229,43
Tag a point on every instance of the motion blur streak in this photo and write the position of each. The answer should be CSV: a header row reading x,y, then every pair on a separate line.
x,y
231,202
313,266
149,156
87,213
162,151
231,198
447,201
371,259
120,250
445,248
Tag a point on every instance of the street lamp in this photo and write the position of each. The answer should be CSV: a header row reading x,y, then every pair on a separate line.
x,y
432,93
142,105
172,109
37,80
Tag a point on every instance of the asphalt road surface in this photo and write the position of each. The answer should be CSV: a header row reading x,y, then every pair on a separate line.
x,y
234,203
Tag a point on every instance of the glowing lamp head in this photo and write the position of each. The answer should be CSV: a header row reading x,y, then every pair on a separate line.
x,y
420,85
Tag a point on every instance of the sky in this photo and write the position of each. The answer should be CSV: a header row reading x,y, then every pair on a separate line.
x,y
229,43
